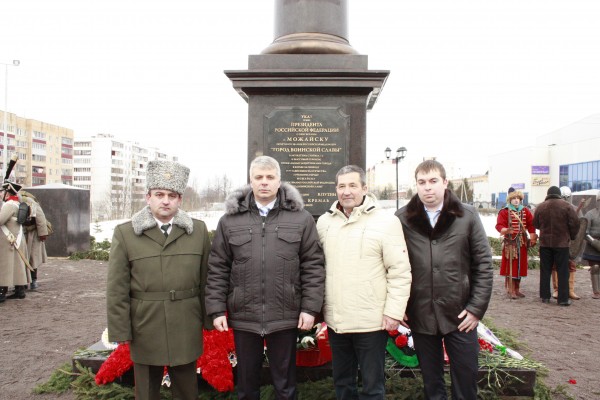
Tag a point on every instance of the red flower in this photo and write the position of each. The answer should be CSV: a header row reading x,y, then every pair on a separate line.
x,y
393,333
401,341
117,363
572,381
214,361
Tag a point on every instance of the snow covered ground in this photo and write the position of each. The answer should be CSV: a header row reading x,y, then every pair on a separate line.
x,y
104,230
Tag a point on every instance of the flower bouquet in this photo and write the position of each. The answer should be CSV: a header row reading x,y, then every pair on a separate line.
x,y
312,348
401,347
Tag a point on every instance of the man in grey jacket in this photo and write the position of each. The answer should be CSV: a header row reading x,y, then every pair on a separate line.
x,y
266,272
452,277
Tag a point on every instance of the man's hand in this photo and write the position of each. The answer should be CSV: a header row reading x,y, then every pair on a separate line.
x,y
506,231
389,323
469,322
404,322
306,321
220,324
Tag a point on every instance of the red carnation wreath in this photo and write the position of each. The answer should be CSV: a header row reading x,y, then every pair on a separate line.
x,y
215,363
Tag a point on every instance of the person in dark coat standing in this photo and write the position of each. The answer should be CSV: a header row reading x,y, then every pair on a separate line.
x,y
155,290
266,272
558,224
452,279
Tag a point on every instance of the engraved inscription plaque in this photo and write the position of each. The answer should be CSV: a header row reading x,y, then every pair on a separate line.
x,y
311,145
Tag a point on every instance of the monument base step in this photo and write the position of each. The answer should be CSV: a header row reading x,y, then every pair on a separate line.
x,y
518,382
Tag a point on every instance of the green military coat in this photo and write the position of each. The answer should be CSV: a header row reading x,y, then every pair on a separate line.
x,y
155,289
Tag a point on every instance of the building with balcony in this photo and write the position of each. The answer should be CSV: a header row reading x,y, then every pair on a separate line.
x,y
45,151
115,173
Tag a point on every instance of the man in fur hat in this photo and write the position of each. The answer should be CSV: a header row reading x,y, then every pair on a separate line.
x,y
558,225
266,272
155,288
13,247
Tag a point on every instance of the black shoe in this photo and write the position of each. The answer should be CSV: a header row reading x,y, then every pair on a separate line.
x,y
546,301
565,303
33,285
18,294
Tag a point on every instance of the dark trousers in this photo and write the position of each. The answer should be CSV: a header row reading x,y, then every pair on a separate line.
x,y
148,378
558,256
462,349
281,352
351,350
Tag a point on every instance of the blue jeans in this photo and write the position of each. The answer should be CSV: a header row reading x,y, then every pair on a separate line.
x,y
349,350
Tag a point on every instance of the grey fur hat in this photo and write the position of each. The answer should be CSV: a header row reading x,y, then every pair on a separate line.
x,y
167,175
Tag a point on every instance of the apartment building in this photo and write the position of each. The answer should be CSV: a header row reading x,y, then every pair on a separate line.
x,y
45,151
114,171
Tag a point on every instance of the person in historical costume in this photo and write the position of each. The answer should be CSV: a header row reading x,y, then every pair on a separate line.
x,y
13,248
155,288
591,253
515,224
36,232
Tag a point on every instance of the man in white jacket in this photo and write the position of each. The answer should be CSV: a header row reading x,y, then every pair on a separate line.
x,y
367,284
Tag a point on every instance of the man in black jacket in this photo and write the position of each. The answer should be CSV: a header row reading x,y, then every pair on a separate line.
x,y
452,279
266,271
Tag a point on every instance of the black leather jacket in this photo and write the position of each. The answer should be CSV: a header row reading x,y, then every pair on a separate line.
x,y
451,265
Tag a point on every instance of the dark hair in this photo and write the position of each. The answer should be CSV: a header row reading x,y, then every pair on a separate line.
x,y
431,165
348,169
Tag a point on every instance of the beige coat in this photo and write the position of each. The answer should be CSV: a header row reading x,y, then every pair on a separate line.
x,y
366,265
35,246
12,268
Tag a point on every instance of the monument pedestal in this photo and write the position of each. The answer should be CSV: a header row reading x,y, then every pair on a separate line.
x,y
308,111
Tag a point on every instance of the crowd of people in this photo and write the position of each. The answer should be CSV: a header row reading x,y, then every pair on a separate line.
x,y
271,270
22,241
562,227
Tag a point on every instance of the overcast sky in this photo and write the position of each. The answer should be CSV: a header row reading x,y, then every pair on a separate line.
x,y
469,78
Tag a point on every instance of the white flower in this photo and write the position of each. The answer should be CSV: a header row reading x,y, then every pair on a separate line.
x,y
106,343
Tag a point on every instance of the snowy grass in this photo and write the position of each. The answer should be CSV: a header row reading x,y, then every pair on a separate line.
x,y
104,230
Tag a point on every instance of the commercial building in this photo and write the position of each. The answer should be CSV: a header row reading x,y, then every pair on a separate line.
x,y
45,151
568,156
115,173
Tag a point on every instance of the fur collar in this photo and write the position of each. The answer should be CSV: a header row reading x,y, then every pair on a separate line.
x,y
417,217
144,220
553,196
242,199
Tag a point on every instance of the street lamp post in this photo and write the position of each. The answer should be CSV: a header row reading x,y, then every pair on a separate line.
x,y
15,63
400,153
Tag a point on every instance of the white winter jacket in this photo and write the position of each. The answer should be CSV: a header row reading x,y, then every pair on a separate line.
x,y
367,267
